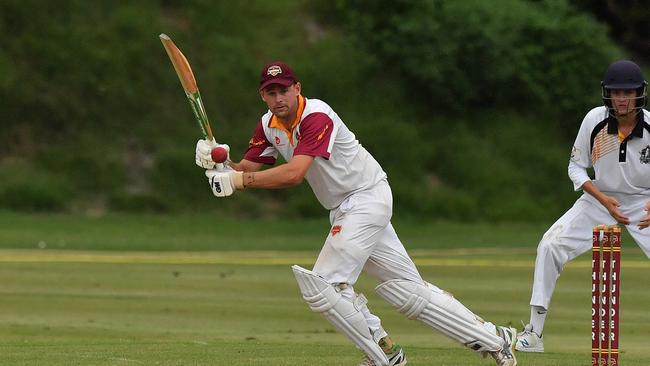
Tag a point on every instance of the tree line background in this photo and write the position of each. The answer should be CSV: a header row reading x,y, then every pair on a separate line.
x,y
470,106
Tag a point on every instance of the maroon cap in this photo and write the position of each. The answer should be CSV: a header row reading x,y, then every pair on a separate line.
x,y
277,72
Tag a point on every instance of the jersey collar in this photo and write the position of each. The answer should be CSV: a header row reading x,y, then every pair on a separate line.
x,y
612,126
275,122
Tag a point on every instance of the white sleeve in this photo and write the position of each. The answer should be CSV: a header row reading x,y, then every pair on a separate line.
x,y
578,175
581,156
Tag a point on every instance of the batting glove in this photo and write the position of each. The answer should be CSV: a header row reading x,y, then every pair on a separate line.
x,y
203,156
224,182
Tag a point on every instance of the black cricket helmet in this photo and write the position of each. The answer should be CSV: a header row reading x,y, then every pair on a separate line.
x,y
624,75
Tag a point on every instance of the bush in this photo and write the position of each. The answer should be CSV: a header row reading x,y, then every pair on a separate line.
x,y
469,106
511,165
24,188
515,53
175,178
138,202
32,197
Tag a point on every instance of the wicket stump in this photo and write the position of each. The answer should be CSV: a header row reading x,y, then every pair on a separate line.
x,y
605,294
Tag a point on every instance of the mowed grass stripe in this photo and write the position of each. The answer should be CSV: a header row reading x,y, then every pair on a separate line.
x,y
445,258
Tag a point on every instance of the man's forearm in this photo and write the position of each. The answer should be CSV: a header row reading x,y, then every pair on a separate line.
x,y
282,176
590,188
278,177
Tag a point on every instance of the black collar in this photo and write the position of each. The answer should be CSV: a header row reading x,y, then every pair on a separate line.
x,y
612,126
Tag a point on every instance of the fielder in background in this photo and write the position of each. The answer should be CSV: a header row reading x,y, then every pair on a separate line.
x,y
614,139
347,181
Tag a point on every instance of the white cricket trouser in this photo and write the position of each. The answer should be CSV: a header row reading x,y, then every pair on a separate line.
x,y
571,234
362,238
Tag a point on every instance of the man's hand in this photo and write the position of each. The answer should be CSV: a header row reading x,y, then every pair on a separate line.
x,y
203,156
224,182
612,205
645,221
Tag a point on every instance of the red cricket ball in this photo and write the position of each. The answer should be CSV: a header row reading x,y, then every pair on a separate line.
x,y
219,154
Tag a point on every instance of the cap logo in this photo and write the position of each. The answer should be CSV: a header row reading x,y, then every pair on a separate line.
x,y
274,70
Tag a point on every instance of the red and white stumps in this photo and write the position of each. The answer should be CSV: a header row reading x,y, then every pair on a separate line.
x,y
605,294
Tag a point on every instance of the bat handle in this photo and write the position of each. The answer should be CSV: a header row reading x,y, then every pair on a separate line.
x,y
208,132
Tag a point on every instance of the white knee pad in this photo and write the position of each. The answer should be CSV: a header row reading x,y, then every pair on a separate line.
x,y
441,311
343,313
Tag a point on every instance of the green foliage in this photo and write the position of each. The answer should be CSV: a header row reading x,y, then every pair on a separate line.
x,y
500,161
172,177
88,167
31,196
67,72
469,106
508,53
138,202
628,22
25,188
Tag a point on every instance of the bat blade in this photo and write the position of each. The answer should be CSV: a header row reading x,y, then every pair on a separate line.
x,y
186,77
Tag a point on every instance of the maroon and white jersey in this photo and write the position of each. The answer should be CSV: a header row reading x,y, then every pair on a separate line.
x,y
341,165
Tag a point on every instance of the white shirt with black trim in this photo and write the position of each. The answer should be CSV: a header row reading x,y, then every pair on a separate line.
x,y
621,167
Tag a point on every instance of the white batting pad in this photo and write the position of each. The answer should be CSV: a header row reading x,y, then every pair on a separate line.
x,y
344,314
438,309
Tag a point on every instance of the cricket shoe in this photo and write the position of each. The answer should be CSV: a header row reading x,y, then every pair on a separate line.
x,y
529,341
395,358
505,356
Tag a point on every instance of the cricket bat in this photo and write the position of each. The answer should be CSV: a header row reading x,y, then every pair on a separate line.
x,y
185,75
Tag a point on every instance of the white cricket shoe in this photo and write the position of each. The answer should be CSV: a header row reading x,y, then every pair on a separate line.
x,y
396,358
529,341
505,356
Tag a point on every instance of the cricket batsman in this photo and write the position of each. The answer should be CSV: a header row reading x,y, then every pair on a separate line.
x,y
318,147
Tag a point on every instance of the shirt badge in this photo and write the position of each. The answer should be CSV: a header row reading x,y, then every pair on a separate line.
x,y
252,142
575,154
645,155
336,229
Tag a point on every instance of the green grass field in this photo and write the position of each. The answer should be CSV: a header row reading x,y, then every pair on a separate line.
x,y
157,290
